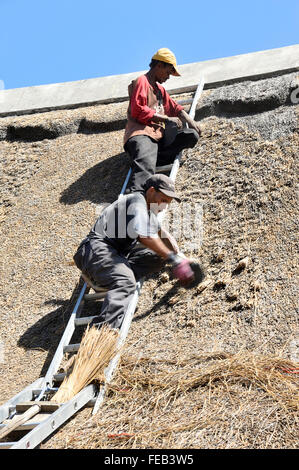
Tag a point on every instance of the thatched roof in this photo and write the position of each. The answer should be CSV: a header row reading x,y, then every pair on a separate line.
x,y
221,357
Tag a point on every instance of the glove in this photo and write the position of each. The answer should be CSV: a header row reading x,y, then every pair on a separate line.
x,y
181,269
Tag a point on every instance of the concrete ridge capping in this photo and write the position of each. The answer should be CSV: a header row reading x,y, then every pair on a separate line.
x,y
217,72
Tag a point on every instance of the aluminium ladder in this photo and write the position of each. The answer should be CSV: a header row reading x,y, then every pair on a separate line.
x,y
30,411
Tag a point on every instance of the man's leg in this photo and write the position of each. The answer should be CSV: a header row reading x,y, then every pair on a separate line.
x,y
143,151
185,138
108,269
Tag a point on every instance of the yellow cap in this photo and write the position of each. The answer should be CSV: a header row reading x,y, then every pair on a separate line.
x,y
165,55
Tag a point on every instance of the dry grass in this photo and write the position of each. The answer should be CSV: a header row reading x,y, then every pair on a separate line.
x,y
206,400
276,376
97,348
196,399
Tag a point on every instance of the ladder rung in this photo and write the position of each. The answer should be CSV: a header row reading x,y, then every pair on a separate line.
x,y
45,406
96,295
187,101
90,283
71,348
37,391
31,423
85,320
160,169
6,445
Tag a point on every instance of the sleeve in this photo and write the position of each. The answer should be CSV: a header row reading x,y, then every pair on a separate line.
x,y
171,108
141,223
138,102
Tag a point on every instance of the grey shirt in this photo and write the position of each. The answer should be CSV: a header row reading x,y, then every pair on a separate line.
x,y
123,221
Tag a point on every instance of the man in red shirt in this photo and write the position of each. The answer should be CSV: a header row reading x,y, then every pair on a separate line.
x,y
154,134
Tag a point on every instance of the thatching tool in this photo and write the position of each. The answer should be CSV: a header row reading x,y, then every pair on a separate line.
x,y
18,420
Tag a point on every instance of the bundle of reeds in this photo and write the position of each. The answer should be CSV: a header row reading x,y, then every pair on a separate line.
x,y
97,348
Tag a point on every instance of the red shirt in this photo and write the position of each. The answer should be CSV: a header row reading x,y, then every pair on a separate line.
x,y
145,101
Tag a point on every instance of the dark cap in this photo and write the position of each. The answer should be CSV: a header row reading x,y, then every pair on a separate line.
x,y
162,183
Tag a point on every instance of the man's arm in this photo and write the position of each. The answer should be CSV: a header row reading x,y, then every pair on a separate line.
x,y
182,118
180,267
157,245
176,113
164,118
185,118
169,240
165,237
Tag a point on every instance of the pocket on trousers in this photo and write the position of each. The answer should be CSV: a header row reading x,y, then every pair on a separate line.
x,y
81,255
78,258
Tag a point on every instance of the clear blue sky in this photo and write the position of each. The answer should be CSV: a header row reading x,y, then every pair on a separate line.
x,y
51,41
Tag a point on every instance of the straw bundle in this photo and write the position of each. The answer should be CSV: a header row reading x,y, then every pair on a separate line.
x,y
97,348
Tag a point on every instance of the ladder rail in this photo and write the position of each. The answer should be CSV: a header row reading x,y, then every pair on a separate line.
x,y
196,97
24,395
90,393
56,419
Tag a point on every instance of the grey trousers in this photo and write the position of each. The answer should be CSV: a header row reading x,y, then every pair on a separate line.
x,y
106,267
147,153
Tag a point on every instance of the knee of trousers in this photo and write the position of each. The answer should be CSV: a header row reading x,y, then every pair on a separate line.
x,y
126,284
79,258
193,138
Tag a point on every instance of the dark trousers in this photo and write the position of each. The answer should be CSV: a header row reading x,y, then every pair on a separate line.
x,y
147,153
106,267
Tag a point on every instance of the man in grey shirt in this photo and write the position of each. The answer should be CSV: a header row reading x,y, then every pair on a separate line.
x,y
109,255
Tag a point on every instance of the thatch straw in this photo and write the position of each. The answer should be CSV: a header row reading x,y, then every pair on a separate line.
x,y
238,400
97,348
278,377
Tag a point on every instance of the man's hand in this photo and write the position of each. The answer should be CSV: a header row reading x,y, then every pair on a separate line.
x,y
195,125
169,240
164,118
181,269
191,123
156,244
